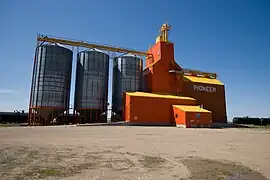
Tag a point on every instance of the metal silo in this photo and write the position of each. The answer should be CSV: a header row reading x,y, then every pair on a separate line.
x,y
127,77
91,87
51,80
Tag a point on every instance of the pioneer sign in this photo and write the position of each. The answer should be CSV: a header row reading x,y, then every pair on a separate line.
x,y
204,88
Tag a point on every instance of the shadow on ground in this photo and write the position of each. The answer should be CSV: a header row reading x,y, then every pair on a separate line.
x,y
213,126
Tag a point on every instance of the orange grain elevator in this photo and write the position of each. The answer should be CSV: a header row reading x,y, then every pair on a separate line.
x,y
163,76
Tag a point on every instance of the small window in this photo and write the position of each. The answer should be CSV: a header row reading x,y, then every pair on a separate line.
x,y
198,115
176,115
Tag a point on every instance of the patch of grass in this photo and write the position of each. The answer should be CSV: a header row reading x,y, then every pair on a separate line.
x,y
39,172
49,172
82,166
267,127
5,125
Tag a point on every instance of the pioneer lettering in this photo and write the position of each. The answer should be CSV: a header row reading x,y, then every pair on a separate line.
x,y
204,88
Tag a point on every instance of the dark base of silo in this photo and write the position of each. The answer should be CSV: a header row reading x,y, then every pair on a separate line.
x,y
66,119
45,116
91,116
117,116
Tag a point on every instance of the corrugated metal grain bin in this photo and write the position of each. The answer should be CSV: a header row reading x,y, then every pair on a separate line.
x,y
91,89
149,108
51,81
127,77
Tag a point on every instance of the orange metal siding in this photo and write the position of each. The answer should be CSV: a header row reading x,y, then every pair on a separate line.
x,y
165,82
126,108
190,119
154,51
160,80
212,101
161,51
152,110
204,119
179,116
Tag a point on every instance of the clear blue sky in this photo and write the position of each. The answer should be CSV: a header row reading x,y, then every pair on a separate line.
x,y
229,37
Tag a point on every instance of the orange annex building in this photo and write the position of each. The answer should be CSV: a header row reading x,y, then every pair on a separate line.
x,y
175,95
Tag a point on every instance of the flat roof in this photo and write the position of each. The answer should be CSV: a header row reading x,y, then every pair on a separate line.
x,y
203,80
191,108
144,94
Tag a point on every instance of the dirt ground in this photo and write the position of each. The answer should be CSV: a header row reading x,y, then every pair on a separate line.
x,y
125,152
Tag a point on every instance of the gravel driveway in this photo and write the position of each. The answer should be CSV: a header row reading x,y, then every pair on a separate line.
x,y
129,152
